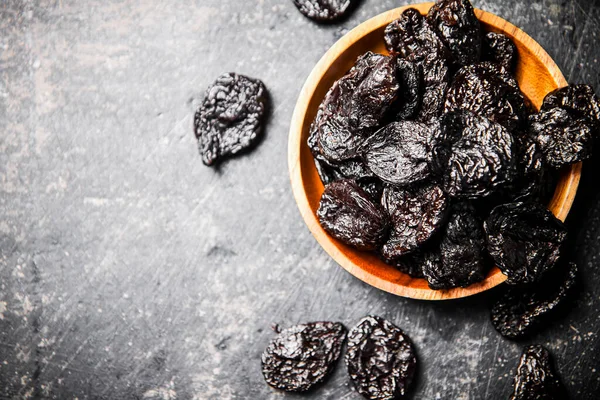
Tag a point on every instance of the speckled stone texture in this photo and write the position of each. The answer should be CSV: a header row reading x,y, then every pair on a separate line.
x,y
130,270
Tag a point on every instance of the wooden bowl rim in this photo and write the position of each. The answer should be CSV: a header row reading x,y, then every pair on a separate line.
x,y
560,205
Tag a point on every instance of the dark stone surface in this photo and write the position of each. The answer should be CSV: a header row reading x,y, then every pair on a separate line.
x,y
130,270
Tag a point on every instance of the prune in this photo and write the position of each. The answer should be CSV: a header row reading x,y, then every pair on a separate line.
x,y
498,48
410,264
459,29
462,249
476,155
436,80
532,171
373,187
409,76
324,10
398,153
349,215
520,310
535,378
525,240
487,89
415,214
231,117
563,139
578,100
381,359
302,356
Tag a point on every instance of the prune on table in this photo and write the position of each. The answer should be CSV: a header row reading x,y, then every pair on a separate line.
x,y
408,103
324,10
459,29
348,214
231,117
475,154
462,249
487,89
525,240
520,310
381,359
398,153
302,356
563,139
578,100
499,48
535,378
415,214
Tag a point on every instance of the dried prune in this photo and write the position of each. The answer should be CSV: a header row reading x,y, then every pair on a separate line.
x,y
487,89
415,214
324,10
399,152
373,187
409,76
525,240
459,29
476,155
532,172
436,80
563,139
578,100
410,264
231,116
302,356
462,250
381,359
349,215
520,310
498,48
535,378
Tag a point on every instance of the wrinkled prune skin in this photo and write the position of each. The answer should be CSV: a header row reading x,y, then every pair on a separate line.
x,y
520,310
462,249
231,117
302,356
353,107
487,89
475,154
409,76
436,81
563,139
415,214
410,264
324,10
532,172
373,187
578,100
499,48
347,213
381,359
535,378
525,240
399,152
459,29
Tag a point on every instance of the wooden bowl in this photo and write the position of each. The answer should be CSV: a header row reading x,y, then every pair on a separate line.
x,y
537,75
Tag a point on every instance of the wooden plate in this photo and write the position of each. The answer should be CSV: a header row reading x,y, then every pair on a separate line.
x,y
537,75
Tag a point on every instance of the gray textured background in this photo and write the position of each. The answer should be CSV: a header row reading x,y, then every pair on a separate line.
x,y
130,270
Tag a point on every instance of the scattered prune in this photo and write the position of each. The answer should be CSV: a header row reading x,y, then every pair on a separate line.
x,y
578,100
476,155
463,252
525,240
231,117
409,76
459,29
520,310
324,10
349,215
381,359
415,214
535,378
487,89
398,153
563,139
302,356
498,48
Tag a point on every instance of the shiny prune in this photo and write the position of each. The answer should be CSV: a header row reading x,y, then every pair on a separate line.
x,y
459,29
381,359
578,100
535,378
525,240
499,48
324,10
529,184
409,76
348,214
415,214
520,310
302,356
231,117
562,139
373,187
436,81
